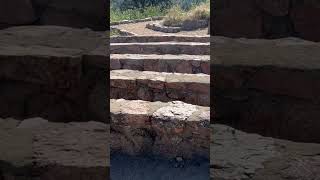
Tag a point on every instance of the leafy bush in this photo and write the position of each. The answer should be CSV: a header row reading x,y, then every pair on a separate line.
x,y
175,10
164,4
187,4
139,4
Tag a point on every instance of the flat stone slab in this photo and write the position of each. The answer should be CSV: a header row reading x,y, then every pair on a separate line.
x,y
238,155
167,129
193,48
161,63
160,86
38,148
162,38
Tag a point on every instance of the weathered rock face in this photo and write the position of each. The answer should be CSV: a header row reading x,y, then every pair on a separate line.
x,y
38,149
161,63
191,48
71,13
167,129
154,86
266,19
270,87
163,38
54,72
237,155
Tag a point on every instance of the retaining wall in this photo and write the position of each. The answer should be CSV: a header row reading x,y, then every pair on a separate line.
x,y
57,73
270,87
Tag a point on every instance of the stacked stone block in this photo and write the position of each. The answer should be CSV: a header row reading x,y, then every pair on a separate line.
x,y
160,90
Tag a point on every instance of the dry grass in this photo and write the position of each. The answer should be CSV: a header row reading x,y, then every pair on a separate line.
x,y
201,12
176,16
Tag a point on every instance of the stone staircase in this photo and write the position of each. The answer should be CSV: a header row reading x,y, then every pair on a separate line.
x,y
160,95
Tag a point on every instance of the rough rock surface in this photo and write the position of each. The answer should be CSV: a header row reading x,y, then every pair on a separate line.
x,y
237,155
167,129
162,38
52,72
266,19
160,86
190,64
191,48
270,87
72,13
36,148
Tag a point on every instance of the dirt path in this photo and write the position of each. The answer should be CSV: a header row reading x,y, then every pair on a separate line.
x,y
140,29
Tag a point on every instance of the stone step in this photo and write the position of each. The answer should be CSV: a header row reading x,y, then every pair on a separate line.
x,y
166,38
160,86
193,48
38,149
161,63
46,71
167,129
272,90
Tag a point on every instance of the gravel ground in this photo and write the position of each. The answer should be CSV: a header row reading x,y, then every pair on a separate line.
x,y
124,167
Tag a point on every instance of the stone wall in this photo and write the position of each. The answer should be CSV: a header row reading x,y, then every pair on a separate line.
x,y
168,129
266,19
71,13
57,73
270,87
160,96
